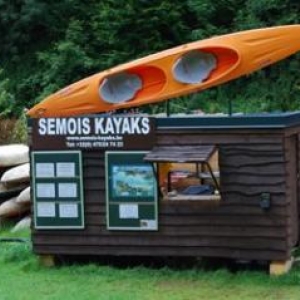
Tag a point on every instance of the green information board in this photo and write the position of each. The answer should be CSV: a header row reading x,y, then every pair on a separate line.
x,y
57,189
131,192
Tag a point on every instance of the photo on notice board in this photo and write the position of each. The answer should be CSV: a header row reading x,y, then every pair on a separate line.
x,y
132,181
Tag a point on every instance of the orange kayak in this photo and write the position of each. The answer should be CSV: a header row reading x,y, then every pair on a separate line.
x,y
171,73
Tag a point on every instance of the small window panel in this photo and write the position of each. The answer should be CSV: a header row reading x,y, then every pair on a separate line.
x,y
187,173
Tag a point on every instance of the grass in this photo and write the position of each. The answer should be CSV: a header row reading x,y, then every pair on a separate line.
x,y
23,278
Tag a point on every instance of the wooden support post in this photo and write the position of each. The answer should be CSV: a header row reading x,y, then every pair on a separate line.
x,y
281,267
47,260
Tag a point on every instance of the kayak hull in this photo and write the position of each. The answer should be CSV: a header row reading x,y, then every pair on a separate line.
x,y
172,73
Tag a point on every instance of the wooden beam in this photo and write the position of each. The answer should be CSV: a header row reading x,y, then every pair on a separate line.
x,y
47,260
280,267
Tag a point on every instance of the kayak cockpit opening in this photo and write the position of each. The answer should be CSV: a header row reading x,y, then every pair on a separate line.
x,y
120,88
194,67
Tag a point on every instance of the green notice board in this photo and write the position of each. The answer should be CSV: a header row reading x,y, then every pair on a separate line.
x,y
131,192
57,189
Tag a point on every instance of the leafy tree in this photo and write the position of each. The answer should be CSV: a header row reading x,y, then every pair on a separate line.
x,y
96,40
214,17
7,99
46,45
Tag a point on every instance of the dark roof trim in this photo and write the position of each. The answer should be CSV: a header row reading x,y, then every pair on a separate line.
x,y
253,121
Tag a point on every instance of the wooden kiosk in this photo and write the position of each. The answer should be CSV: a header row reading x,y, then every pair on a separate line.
x,y
178,186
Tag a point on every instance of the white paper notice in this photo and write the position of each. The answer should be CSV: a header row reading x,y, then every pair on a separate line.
x,y
45,190
68,210
67,190
44,170
129,211
46,209
65,169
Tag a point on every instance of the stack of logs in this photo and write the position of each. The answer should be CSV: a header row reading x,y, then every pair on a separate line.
x,y
15,201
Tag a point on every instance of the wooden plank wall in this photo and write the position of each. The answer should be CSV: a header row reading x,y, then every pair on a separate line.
x,y
292,181
298,185
239,228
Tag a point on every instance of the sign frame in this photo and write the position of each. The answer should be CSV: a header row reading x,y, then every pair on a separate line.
x,y
130,207
55,180
93,132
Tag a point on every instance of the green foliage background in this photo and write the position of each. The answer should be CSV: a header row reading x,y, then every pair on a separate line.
x,y
46,45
